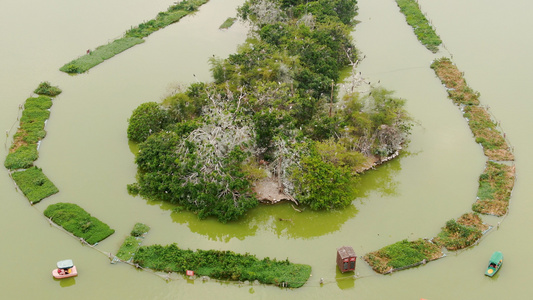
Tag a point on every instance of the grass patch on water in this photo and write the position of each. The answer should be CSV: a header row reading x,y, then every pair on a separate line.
x,y
128,248
455,83
132,37
46,89
34,184
495,187
100,54
416,19
485,130
77,221
132,243
486,133
225,265
462,233
23,151
228,23
402,255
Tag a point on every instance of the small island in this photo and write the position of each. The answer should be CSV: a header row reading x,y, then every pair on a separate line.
x,y
272,125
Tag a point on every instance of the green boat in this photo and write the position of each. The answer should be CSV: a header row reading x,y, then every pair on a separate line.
x,y
495,263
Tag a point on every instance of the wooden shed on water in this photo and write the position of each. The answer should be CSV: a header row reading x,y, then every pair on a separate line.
x,y
346,259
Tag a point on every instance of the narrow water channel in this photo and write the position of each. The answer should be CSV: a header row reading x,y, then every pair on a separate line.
x,y
86,153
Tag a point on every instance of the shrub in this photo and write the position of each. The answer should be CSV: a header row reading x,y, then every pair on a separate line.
x,y
77,221
146,119
46,89
323,180
139,229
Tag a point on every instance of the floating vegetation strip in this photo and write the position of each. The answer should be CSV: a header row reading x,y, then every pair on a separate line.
x,y
486,133
416,19
99,55
485,130
403,255
132,37
128,248
77,221
23,151
225,265
228,23
464,232
132,243
495,187
34,184
455,83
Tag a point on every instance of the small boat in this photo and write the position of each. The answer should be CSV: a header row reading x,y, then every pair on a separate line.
x,y
495,263
65,269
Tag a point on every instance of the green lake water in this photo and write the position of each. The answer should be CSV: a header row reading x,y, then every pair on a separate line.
x,y
87,155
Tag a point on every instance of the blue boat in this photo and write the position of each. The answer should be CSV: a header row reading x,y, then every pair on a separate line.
x,y
495,263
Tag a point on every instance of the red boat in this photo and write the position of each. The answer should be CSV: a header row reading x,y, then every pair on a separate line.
x,y
65,269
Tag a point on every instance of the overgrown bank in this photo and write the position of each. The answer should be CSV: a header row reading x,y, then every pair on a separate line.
x,y
271,113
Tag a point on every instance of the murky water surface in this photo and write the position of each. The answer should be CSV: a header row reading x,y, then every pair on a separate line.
x,y
86,153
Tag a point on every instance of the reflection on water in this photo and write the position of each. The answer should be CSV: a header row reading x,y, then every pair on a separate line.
x,y
346,280
382,180
287,220
66,282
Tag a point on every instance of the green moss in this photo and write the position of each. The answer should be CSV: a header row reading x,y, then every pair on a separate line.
x,y
225,265
34,184
78,222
